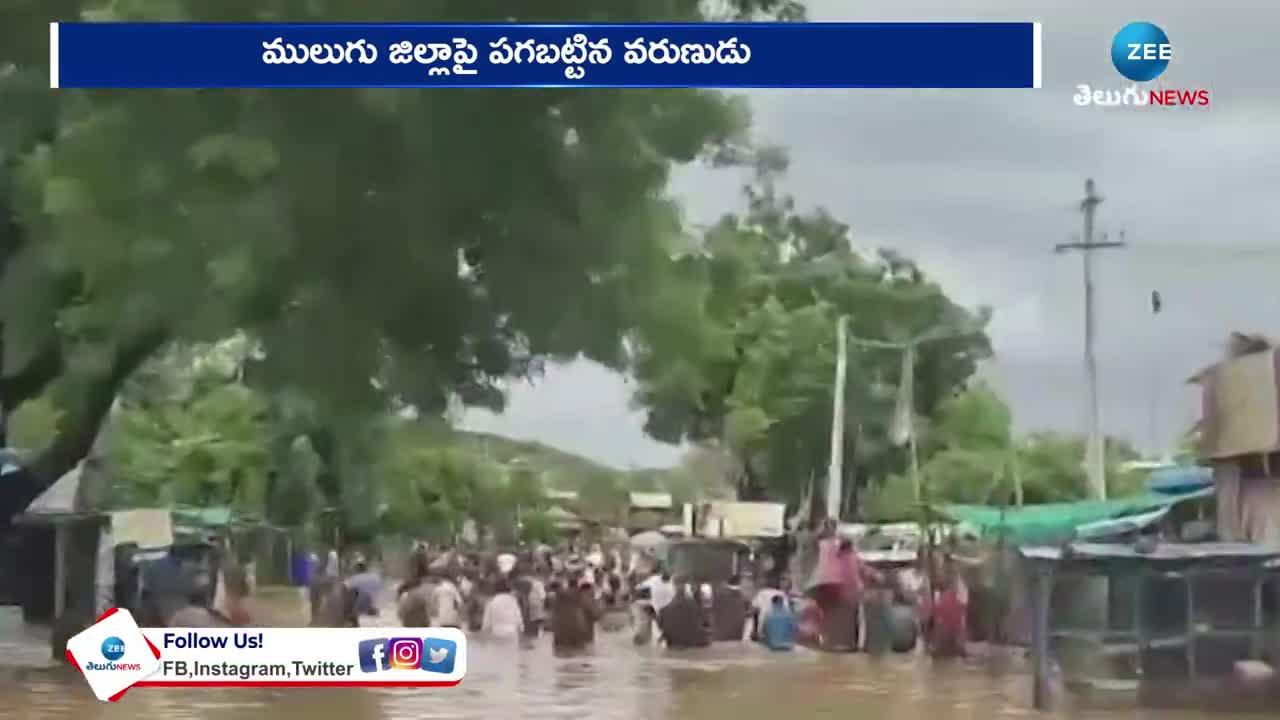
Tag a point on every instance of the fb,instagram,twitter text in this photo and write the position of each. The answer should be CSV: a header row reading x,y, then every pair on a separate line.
x,y
255,671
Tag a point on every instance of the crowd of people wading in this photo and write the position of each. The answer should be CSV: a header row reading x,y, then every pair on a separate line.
x,y
843,605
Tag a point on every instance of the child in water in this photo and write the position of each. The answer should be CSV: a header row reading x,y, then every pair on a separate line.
x,y
779,626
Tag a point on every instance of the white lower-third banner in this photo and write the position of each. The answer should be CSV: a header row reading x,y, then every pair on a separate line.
x,y
282,657
115,655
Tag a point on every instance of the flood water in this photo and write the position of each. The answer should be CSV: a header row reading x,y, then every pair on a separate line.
x,y
613,681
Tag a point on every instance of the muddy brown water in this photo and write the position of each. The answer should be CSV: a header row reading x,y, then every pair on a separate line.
x,y
613,681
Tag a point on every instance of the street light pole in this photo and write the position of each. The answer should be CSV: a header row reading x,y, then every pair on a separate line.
x,y
909,348
834,471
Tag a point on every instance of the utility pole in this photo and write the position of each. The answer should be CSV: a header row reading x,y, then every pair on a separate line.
x,y
906,400
1095,455
834,476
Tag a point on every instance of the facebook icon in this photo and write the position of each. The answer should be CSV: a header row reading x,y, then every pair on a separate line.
x,y
373,655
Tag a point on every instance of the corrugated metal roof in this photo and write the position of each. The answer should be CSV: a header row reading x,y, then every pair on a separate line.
x,y
60,497
11,460
212,517
1180,479
1163,552
559,513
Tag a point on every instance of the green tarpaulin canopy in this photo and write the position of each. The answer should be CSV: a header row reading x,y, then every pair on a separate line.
x,y
214,517
1057,521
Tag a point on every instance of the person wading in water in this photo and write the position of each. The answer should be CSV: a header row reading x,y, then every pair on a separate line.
x,y
729,611
681,621
949,630
572,617
414,596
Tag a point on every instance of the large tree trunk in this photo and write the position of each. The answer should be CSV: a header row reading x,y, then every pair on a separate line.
x,y
84,415
751,478
78,428
4,411
80,425
8,245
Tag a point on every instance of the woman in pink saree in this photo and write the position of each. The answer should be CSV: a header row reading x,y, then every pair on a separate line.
x,y
836,587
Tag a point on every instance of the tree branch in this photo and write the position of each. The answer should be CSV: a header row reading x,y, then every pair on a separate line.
x,y
33,378
79,428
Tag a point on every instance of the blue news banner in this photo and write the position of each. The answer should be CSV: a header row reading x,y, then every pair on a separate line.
x,y
725,55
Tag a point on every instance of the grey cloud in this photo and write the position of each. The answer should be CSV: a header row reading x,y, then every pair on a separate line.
x,y
581,408
979,185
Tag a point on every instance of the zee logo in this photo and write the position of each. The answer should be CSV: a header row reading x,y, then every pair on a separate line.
x,y
1141,51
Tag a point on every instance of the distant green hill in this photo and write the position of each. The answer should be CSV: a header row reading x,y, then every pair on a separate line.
x,y
536,456
561,470
600,486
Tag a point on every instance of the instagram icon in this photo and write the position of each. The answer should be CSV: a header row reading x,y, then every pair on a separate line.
x,y
406,653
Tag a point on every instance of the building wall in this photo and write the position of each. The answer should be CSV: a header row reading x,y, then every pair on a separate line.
x,y
37,570
1241,406
1248,493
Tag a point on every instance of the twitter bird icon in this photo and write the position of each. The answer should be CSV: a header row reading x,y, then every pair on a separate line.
x,y
439,655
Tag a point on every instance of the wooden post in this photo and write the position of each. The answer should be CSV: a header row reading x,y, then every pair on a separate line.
x,y
1042,591
1257,645
59,570
1141,635
1191,625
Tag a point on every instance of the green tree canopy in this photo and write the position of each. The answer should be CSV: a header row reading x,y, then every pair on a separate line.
x,y
375,244
746,357
972,456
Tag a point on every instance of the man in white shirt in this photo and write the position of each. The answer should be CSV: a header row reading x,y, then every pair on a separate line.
x,y
661,590
447,605
537,602
506,563
502,617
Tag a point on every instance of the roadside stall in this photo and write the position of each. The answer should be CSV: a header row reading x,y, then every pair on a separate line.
x,y
1197,619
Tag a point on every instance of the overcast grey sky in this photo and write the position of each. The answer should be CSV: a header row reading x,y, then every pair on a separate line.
x,y
979,185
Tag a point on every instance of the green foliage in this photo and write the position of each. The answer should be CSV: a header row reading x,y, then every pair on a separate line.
x,y
187,433
974,458
537,527
33,425
434,242
704,473
976,419
892,500
556,469
603,497
1054,468
294,497
745,353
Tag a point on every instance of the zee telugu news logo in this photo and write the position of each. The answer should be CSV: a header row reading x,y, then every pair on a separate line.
x,y
113,650
433,654
1141,52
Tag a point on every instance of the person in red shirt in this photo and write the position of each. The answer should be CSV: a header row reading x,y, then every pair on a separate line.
x,y
949,629
809,625
237,589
